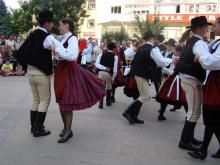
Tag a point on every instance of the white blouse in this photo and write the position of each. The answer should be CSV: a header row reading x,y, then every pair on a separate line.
x,y
71,52
210,61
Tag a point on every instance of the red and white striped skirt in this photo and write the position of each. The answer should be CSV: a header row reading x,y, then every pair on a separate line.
x,y
211,99
76,88
171,91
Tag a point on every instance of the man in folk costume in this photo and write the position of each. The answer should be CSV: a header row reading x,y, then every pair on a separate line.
x,y
211,98
107,64
192,76
158,71
36,53
145,61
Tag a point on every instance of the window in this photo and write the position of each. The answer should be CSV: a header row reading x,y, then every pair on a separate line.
x,y
91,4
116,9
178,9
90,23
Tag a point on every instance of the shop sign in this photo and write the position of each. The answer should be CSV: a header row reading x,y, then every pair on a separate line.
x,y
180,17
89,34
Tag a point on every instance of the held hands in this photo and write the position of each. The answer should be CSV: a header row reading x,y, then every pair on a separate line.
x,y
53,47
175,60
108,69
196,58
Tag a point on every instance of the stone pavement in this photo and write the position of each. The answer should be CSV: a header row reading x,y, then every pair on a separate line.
x,y
101,137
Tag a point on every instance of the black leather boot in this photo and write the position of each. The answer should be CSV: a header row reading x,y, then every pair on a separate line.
x,y
108,98
113,99
101,104
197,155
33,115
39,128
216,155
161,117
131,113
113,95
187,137
136,112
161,112
196,141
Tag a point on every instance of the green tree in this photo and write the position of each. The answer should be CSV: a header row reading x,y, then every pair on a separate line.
x,y
143,26
21,20
3,9
3,13
121,35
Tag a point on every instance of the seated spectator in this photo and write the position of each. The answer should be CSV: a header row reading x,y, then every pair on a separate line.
x,y
19,70
7,68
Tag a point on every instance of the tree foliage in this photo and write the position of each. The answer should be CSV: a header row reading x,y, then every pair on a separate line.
x,y
121,35
143,26
22,20
3,9
3,14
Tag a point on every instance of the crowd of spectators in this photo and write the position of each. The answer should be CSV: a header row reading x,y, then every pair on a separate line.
x,y
8,47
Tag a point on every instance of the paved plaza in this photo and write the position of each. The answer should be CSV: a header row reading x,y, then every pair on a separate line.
x,y
101,137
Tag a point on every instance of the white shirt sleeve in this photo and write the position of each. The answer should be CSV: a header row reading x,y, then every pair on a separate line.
x,y
167,71
115,69
49,40
210,61
158,58
199,47
71,52
97,63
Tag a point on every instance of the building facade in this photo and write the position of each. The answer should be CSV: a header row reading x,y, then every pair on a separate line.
x,y
111,15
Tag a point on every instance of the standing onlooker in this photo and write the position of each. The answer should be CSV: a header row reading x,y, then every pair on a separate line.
x,y
95,51
2,39
11,42
129,52
87,53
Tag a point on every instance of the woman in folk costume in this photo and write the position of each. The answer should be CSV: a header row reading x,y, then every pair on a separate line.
x,y
119,81
211,97
171,91
75,88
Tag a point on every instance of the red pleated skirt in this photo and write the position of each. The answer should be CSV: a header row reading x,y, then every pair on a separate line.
x,y
171,91
76,88
211,100
211,90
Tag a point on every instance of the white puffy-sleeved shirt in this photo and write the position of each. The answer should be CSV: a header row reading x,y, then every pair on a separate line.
x,y
211,61
129,53
158,58
49,40
71,52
